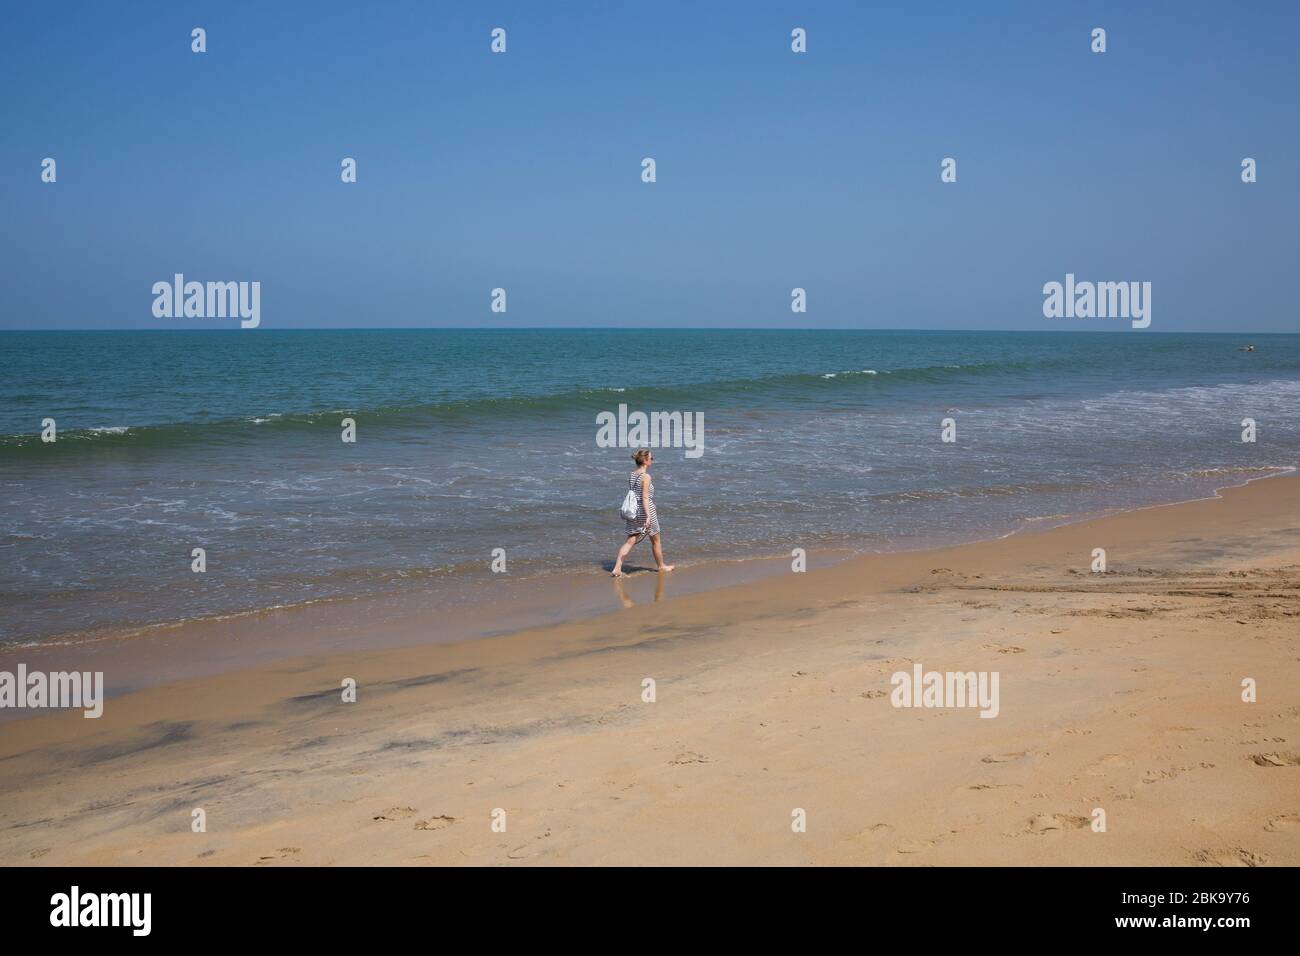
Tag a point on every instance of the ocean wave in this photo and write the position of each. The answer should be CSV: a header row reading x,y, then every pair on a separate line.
x,y
845,388
781,388
987,491
1236,470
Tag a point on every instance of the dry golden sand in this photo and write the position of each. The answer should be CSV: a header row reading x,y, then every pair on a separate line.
x,y
1119,691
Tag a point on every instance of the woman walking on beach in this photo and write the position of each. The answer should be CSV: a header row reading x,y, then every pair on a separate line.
x,y
646,522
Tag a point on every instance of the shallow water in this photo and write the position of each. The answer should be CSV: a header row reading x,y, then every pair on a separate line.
x,y
469,441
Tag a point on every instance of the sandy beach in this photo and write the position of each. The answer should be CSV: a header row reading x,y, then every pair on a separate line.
x,y
1119,692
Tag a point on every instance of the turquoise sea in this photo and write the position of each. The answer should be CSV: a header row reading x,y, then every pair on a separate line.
x,y
473,440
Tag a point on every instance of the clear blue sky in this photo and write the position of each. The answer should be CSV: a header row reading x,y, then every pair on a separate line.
x,y
775,170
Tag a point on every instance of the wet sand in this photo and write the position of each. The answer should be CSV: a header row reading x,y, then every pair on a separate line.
x,y
1119,692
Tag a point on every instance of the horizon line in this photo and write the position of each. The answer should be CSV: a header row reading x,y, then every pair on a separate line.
x,y
640,328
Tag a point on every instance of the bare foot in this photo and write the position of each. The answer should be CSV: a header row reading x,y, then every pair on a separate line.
x,y
616,573
666,567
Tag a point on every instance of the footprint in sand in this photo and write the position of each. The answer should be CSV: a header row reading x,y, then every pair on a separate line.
x,y
1106,764
917,846
1004,648
526,850
1287,821
1047,822
1276,759
1003,758
280,854
435,823
876,829
1155,776
395,813
1232,856
688,756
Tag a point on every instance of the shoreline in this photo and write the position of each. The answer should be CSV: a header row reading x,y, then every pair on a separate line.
x,y
147,655
1119,691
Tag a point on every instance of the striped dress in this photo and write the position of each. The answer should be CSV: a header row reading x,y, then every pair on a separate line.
x,y
640,527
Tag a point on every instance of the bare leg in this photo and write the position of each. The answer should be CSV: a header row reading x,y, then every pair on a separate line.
x,y
659,553
623,553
